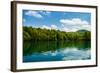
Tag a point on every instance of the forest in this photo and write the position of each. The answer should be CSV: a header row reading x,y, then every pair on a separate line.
x,y
39,34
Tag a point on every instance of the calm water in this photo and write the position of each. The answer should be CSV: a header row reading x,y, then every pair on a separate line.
x,y
56,51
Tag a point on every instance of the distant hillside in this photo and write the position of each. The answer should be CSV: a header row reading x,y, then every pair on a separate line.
x,y
83,30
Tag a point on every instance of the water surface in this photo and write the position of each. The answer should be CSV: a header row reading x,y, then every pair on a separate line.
x,y
56,51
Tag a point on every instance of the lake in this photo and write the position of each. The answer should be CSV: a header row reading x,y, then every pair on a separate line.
x,y
43,51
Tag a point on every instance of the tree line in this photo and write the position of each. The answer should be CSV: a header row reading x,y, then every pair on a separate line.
x,y
38,34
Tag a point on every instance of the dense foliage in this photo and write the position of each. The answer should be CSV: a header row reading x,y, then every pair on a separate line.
x,y
36,34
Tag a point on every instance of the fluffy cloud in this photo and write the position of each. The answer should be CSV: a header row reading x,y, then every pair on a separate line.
x,y
74,21
45,27
68,29
34,13
45,12
74,24
50,27
37,14
53,27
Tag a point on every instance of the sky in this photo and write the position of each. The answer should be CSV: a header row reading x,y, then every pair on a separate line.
x,y
63,21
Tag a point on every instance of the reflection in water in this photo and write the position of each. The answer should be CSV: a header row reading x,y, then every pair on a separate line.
x,y
55,51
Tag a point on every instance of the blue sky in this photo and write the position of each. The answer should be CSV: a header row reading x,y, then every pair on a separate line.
x,y
64,21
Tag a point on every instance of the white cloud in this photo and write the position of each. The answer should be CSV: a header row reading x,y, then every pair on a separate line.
x,y
45,12
45,27
34,13
53,27
74,21
37,14
49,27
74,24
68,29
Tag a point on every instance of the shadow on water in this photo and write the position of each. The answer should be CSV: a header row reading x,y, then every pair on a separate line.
x,y
30,47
